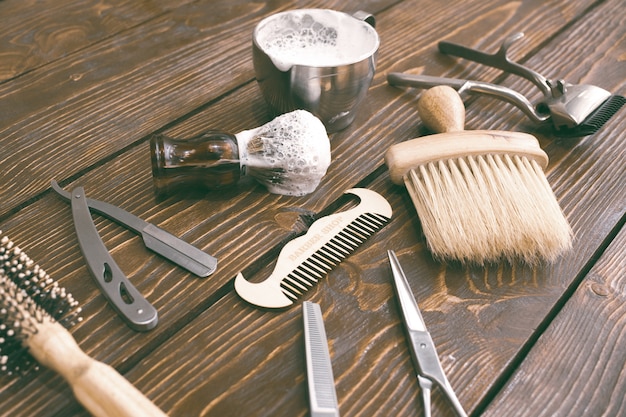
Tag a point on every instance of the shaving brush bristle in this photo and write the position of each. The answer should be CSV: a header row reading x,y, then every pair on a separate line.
x,y
289,154
271,175
27,295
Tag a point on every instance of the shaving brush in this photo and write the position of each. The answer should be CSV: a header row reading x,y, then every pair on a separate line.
x,y
289,155
34,315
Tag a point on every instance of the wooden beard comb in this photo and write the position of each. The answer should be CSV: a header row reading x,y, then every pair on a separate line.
x,y
308,258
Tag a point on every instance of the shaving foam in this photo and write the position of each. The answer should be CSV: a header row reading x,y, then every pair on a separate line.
x,y
316,38
295,145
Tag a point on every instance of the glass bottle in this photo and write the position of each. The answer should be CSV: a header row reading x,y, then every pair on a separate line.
x,y
209,160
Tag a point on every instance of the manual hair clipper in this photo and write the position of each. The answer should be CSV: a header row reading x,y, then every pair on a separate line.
x,y
573,109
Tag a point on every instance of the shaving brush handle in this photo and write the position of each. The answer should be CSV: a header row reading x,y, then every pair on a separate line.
x,y
209,160
97,386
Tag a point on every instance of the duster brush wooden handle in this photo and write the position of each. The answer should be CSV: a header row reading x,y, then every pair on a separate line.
x,y
442,110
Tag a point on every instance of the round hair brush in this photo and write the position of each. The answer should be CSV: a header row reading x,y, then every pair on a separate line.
x,y
480,195
33,313
289,155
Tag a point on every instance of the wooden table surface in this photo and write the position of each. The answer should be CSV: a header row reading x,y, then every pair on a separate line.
x,y
83,86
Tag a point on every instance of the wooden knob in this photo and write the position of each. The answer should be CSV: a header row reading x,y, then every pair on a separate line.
x,y
441,109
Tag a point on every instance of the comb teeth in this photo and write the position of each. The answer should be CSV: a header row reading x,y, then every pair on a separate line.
x,y
596,119
320,379
344,243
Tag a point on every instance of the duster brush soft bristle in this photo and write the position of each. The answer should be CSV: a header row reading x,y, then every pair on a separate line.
x,y
481,195
32,310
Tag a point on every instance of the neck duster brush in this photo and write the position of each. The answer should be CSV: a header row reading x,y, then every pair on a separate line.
x,y
481,195
289,155
34,311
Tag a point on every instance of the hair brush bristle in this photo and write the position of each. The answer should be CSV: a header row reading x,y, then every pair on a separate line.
x,y
27,294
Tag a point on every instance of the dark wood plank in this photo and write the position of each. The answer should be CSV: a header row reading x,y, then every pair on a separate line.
x,y
116,92
112,94
577,364
47,30
479,318
251,361
508,305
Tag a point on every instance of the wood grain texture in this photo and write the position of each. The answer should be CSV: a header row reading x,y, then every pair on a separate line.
x,y
585,345
212,354
116,92
40,37
105,106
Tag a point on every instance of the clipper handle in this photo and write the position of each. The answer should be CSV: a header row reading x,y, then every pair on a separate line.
x,y
499,60
470,87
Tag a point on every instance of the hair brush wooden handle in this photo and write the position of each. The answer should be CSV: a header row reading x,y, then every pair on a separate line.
x,y
98,386
441,109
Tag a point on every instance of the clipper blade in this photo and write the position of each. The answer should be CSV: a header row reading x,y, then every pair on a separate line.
x,y
598,118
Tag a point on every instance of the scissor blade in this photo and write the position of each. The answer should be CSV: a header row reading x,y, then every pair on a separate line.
x,y
321,383
410,311
154,238
422,347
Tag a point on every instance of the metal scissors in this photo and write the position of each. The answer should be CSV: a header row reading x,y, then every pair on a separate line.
x,y
429,370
